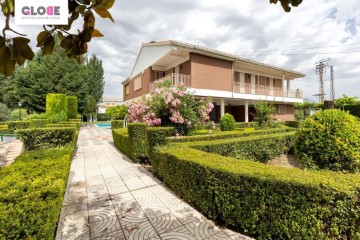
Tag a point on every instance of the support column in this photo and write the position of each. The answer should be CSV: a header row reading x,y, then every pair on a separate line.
x,y
246,110
288,88
222,107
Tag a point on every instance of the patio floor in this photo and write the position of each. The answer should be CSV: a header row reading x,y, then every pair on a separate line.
x,y
110,197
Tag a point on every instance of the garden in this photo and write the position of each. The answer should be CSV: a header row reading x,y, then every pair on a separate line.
x,y
32,188
223,171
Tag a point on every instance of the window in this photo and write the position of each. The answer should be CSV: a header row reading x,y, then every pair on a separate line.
x,y
137,83
127,89
282,109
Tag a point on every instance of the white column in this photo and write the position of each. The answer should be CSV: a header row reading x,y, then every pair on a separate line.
x,y
253,84
282,84
288,88
222,107
246,110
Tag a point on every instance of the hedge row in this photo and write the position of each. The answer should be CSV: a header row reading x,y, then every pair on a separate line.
x,y
71,123
15,125
354,109
257,148
72,107
122,141
158,136
38,123
115,124
265,202
45,138
246,124
138,141
231,134
31,194
293,124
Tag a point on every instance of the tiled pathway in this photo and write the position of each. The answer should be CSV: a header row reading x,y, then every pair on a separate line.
x,y
110,197
10,151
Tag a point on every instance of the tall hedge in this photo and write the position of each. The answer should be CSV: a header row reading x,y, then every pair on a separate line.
x,y
265,202
72,107
56,104
138,141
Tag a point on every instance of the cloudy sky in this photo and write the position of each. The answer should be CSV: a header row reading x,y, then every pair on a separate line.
x,y
317,29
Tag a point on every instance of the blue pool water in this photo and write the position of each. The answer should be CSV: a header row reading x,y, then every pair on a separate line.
x,y
104,125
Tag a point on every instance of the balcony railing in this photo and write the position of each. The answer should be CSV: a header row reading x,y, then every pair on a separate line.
x,y
176,79
249,88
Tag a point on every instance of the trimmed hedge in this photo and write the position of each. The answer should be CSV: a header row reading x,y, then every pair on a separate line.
x,y
265,202
38,123
72,107
58,125
354,109
246,124
15,125
257,148
122,141
232,134
31,194
293,124
71,123
138,141
115,124
158,136
45,138
56,105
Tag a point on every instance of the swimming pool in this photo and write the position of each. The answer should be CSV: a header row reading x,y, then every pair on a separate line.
x,y
103,125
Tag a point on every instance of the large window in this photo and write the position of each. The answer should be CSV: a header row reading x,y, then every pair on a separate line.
x,y
137,83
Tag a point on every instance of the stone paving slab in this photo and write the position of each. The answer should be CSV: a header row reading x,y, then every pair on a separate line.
x,y
110,197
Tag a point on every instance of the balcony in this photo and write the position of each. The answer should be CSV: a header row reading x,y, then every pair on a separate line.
x,y
176,80
249,88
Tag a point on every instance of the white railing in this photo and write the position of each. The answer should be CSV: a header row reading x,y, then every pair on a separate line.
x,y
249,88
176,80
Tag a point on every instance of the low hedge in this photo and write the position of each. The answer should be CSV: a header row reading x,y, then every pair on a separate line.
x,y
246,124
293,124
231,134
158,136
61,125
265,202
138,141
122,141
75,120
115,124
71,123
15,125
45,138
31,193
257,148
38,123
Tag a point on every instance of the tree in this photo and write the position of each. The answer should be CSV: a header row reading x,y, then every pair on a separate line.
x,y
54,73
91,106
117,112
306,108
264,112
17,50
5,113
95,77
346,100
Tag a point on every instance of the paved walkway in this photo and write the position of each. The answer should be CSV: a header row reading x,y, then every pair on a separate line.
x,y
110,197
9,151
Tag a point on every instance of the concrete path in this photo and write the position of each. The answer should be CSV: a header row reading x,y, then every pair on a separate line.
x,y
110,197
9,151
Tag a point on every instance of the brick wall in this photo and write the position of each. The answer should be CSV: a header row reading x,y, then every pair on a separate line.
x,y
145,80
210,73
185,68
289,115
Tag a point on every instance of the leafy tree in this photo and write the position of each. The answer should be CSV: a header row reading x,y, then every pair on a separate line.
x,y
264,113
117,112
90,109
54,73
95,77
15,114
5,113
346,100
17,50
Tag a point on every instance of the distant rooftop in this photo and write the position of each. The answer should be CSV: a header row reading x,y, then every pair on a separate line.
x,y
111,99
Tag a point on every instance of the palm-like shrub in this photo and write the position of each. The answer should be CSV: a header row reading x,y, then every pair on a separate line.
x,y
329,139
227,122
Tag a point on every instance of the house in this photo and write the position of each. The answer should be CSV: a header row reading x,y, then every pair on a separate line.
x,y
107,102
233,83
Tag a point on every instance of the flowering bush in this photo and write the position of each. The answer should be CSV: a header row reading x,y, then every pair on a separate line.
x,y
170,105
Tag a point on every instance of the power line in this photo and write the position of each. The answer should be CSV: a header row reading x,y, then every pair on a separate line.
x,y
313,53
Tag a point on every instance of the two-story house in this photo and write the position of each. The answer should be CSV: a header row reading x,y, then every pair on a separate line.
x,y
233,83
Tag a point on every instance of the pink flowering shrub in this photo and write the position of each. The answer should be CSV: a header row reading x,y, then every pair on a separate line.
x,y
170,106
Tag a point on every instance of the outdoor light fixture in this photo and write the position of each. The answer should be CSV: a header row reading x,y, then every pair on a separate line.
x,y
20,104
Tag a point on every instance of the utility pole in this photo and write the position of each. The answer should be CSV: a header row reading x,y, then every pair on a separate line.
x,y
320,67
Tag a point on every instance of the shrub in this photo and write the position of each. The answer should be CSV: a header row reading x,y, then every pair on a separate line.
x,y
227,122
61,125
265,202
56,107
71,123
5,113
31,194
45,138
36,116
257,148
15,114
14,125
264,113
293,124
354,109
329,139
72,107
38,123
158,136
122,141
117,112
115,124
246,124
138,141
